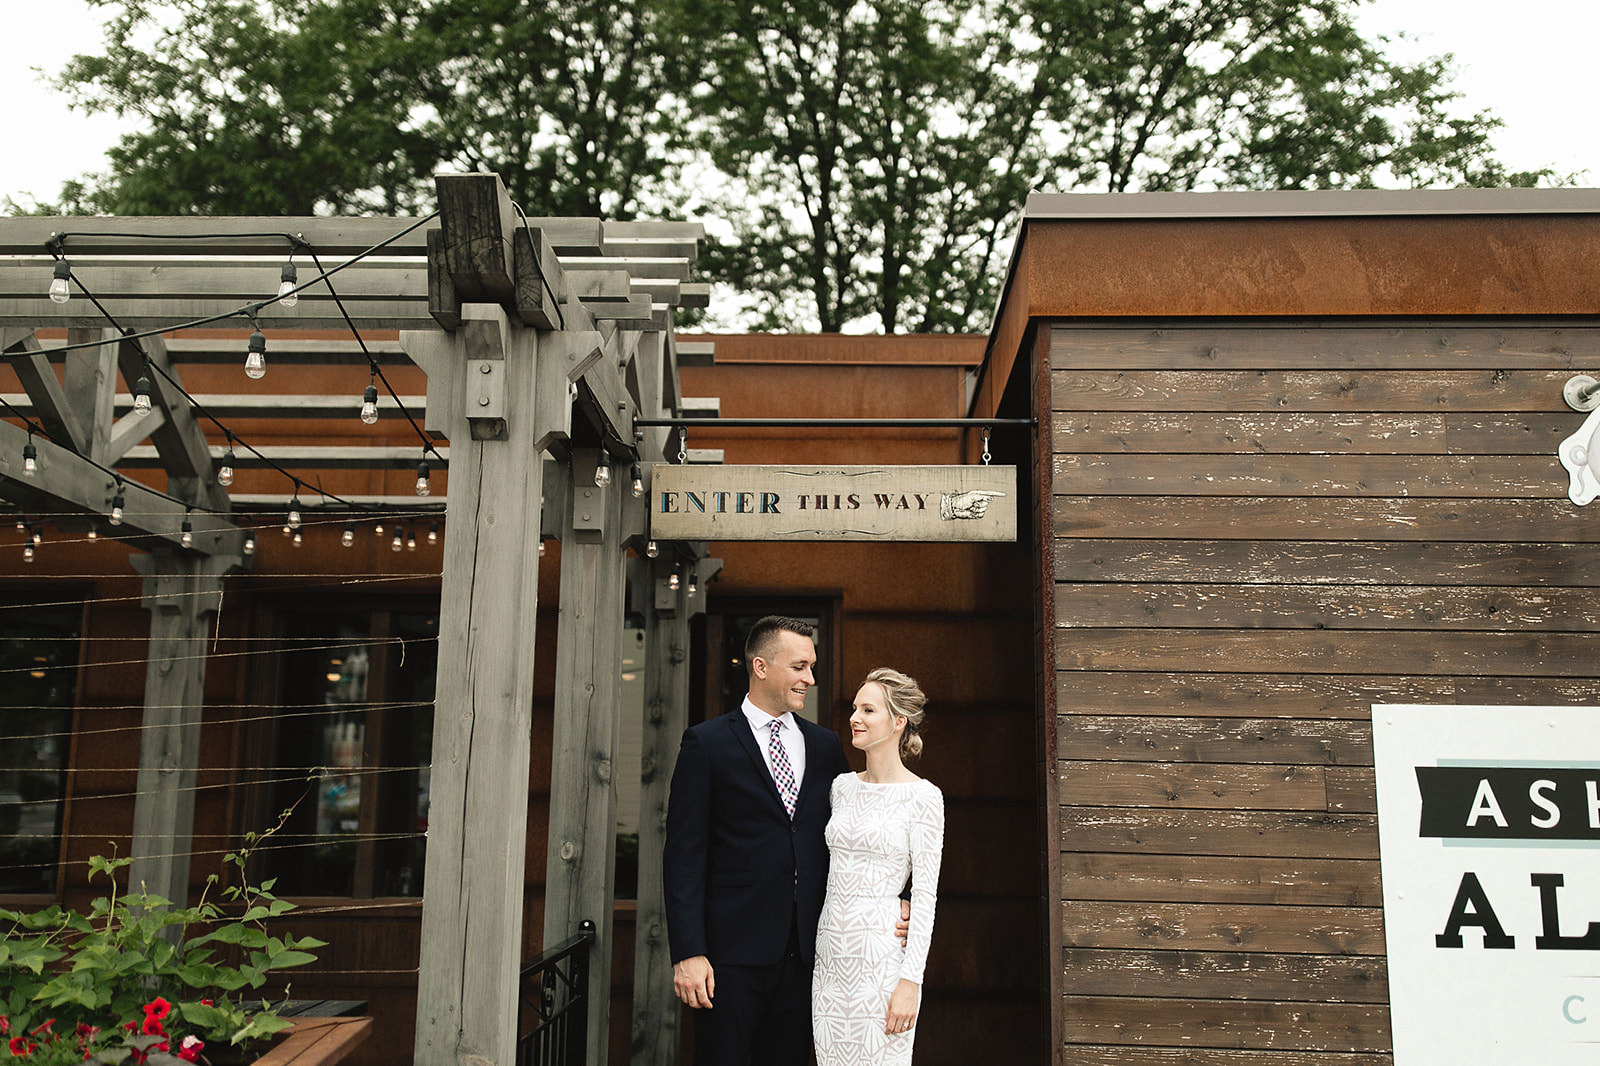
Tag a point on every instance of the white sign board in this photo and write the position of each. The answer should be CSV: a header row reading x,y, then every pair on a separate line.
x,y
888,503
1489,833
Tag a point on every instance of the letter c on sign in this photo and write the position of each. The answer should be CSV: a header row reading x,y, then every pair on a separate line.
x,y
1566,1010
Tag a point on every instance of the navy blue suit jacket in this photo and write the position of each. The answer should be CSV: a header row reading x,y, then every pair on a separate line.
x,y
734,860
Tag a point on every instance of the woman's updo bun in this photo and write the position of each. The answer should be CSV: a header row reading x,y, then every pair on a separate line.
x,y
905,699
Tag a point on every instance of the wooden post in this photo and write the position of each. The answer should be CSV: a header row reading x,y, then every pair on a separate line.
x,y
478,812
181,591
667,614
580,865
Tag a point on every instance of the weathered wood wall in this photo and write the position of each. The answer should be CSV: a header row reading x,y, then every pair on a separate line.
x,y
1259,531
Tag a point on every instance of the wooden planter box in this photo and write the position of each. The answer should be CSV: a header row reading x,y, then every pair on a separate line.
x,y
317,1042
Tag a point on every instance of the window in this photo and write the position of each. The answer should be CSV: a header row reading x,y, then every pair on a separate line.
x,y
38,675
726,631
350,752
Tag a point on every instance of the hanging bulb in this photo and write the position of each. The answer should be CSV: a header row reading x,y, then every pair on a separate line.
x,y
377,527
22,525
423,488
651,550
293,518
397,544
30,458
411,537
673,581
36,534
250,542
602,470
637,487
225,471
298,539
60,290
286,294
94,534
117,503
694,586
369,405
349,538
255,360
186,532
541,547
141,396
27,552
433,532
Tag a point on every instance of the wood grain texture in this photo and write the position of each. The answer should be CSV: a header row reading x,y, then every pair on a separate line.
x,y
1203,346
1307,390
1228,695
1244,927
1186,785
1520,477
1249,433
1108,1055
1226,975
1228,1023
1283,834
1284,741
1226,879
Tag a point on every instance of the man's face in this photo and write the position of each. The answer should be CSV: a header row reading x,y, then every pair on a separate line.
x,y
779,683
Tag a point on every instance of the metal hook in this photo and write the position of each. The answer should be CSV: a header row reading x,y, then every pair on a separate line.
x,y
683,445
985,445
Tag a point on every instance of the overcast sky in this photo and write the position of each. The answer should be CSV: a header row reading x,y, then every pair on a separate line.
x,y
1529,61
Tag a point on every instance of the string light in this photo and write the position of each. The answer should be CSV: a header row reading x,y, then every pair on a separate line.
x,y
30,456
250,542
94,533
225,471
694,586
411,536
541,547
433,532
186,531
292,519
651,549
36,533
27,552
673,580
118,501
299,538
423,488
377,527
286,294
602,470
60,291
349,537
637,488
141,396
397,544
255,359
369,404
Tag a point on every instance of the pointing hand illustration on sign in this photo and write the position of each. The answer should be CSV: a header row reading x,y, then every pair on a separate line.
x,y
1580,454
973,503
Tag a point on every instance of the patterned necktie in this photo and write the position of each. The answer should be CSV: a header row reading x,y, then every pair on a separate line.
x,y
782,772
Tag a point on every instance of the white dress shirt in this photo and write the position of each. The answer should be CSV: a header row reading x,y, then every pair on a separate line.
x,y
761,724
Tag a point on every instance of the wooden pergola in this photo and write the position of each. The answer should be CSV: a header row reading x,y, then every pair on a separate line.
x,y
543,341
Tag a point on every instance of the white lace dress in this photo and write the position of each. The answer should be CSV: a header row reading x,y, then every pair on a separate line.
x,y
878,835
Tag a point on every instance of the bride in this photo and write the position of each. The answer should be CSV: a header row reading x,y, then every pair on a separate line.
x,y
887,824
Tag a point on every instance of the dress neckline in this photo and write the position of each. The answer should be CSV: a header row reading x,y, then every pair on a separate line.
x,y
887,784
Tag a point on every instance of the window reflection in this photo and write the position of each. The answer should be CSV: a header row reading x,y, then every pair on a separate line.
x,y
38,661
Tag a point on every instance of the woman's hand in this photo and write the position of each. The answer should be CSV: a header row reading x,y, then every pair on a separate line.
x,y
902,1008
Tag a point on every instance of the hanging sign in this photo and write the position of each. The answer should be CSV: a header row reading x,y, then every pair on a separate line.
x,y
888,503
1489,837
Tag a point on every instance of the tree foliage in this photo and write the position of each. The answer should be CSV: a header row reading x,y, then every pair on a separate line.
x,y
871,158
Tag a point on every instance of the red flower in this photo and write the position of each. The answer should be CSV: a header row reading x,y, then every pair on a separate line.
x,y
21,1045
152,1026
203,1003
5,1025
44,1028
157,1008
189,1050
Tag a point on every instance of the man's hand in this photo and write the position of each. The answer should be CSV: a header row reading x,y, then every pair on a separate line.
x,y
694,982
902,928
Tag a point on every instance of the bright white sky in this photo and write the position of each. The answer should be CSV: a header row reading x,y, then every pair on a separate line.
x,y
1527,60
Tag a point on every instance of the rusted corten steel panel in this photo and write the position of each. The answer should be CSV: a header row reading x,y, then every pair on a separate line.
x,y
770,348
1384,265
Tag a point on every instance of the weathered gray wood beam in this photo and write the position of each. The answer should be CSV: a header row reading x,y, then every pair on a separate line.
x,y
90,380
477,823
308,456
298,351
297,406
68,483
158,313
580,862
126,432
667,613
697,353
49,399
181,591
177,437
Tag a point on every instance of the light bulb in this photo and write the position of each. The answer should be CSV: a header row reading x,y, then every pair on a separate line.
x,y
141,396
30,459
22,526
651,550
186,533
397,544
60,290
433,533
117,503
411,537
255,360
602,470
369,405
27,552
377,527
637,488
286,294
298,539
225,471
423,488
349,537
36,535
694,586
673,581
94,534
294,515
250,543
541,547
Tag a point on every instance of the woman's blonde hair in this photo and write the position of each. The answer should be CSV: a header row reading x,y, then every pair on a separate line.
x,y
905,699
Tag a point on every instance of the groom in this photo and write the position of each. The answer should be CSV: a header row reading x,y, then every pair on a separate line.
x,y
746,864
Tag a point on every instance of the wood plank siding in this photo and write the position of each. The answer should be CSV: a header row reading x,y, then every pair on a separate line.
x,y
1259,530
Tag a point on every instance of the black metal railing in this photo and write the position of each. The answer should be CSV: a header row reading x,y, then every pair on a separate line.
x,y
553,1022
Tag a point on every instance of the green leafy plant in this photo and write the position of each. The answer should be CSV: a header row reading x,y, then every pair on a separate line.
x,y
139,979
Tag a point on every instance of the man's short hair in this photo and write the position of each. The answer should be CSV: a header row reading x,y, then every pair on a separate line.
x,y
763,638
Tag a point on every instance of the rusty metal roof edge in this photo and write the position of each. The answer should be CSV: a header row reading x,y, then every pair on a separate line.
x,y
1302,203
